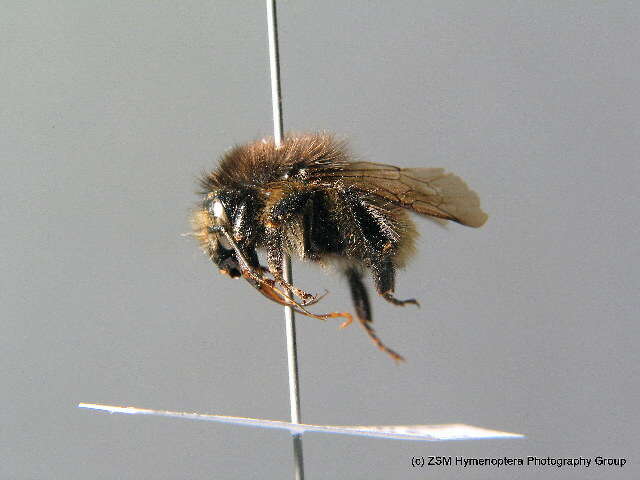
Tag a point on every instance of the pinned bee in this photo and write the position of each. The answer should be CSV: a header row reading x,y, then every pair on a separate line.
x,y
311,200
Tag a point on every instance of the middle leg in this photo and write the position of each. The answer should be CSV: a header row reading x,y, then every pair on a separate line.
x,y
275,256
384,279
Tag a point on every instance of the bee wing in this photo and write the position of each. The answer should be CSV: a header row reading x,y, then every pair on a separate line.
x,y
427,191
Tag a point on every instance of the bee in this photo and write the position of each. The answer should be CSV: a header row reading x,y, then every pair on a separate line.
x,y
310,199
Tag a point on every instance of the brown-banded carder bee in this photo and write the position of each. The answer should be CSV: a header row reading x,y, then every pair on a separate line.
x,y
309,198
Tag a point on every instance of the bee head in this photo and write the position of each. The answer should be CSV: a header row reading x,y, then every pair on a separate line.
x,y
230,209
216,213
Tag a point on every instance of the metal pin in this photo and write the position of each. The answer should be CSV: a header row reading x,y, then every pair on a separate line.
x,y
289,317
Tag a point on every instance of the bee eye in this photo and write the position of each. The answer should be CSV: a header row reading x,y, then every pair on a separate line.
x,y
217,209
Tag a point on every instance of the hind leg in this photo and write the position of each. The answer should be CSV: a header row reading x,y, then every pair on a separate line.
x,y
384,279
363,311
359,295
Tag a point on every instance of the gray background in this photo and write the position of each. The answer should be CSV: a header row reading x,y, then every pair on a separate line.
x,y
110,110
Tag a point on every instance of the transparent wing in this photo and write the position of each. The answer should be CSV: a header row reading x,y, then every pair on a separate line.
x,y
427,191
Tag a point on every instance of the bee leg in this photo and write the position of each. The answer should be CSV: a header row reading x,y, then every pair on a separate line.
x,y
254,263
359,296
267,287
275,255
306,297
290,203
384,279
363,311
